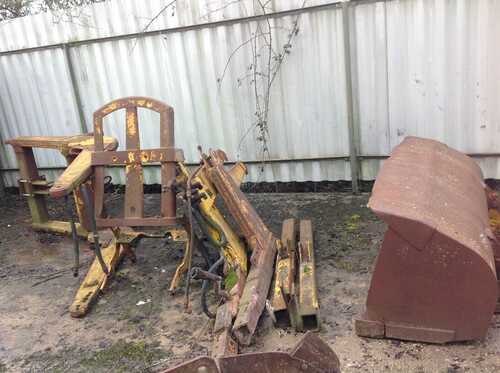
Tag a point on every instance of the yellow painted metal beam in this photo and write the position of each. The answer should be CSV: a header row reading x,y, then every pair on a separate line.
x,y
96,279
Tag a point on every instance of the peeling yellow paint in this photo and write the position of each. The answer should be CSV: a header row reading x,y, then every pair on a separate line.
x,y
110,108
96,279
89,143
131,123
84,143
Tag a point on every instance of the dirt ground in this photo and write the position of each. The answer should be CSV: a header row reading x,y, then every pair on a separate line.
x,y
38,335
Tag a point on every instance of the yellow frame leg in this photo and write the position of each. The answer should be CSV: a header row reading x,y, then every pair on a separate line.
x,y
181,269
96,280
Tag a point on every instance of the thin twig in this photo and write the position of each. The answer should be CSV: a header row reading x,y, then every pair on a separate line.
x,y
240,143
64,270
155,364
223,7
229,59
158,15
47,279
152,20
203,330
266,63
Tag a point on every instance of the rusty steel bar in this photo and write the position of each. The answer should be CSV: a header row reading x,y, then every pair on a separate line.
x,y
284,275
261,241
308,305
223,342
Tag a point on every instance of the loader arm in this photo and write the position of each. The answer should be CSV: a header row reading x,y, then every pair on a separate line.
x,y
217,228
78,151
260,240
75,174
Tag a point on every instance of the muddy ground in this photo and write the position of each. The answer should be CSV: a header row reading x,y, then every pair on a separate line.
x,y
38,335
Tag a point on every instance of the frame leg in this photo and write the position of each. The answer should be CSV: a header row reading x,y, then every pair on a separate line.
x,y
181,269
96,280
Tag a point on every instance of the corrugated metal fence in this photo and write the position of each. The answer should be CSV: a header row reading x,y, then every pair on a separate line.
x,y
357,81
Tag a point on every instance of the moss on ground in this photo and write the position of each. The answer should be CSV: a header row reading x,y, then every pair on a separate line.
x,y
353,241
353,222
120,357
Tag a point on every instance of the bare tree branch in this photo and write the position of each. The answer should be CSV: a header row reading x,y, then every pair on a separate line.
x,y
148,25
267,61
152,20
223,7
233,53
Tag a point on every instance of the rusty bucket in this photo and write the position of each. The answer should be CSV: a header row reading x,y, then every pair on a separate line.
x,y
434,279
310,355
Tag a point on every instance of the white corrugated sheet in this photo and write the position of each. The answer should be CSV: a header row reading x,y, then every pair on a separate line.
x,y
119,17
182,69
423,67
35,99
429,68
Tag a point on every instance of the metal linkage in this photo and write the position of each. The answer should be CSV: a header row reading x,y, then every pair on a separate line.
x,y
74,237
89,203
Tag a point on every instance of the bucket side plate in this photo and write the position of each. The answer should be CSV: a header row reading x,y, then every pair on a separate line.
x,y
434,278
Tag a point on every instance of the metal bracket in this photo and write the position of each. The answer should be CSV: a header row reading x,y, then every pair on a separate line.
x,y
30,188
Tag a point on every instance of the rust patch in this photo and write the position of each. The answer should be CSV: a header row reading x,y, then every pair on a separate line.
x,y
132,158
310,355
261,241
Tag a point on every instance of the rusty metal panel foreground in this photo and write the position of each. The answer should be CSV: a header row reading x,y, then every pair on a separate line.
x,y
310,355
434,278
